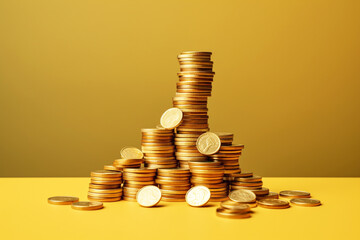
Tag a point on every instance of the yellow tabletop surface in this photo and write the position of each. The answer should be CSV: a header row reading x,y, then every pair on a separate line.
x,y
25,214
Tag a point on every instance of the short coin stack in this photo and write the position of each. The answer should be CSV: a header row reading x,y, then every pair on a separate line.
x,y
135,179
231,209
193,89
158,148
131,158
105,186
173,183
210,175
249,182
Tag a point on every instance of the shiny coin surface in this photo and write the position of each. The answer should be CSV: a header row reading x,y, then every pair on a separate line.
x,y
106,174
235,206
208,143
131,153
305,202
294,194
273,203
171,118
242,196
62,200
87,205
198,196
221,212
148,196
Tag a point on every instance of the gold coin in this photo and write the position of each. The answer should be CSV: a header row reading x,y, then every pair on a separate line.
x,y
273,203
131,153
198,196
62,200
95,190
242,196
148,196
105,195
261,191
249,179
235,206
305,202
104,199
99,186
208,143
171,118
87,205
294,194
139,170
124,161
105,182
221,212
112,168
270,195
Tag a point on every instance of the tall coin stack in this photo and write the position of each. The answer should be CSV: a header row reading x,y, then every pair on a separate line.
x,y
193,89
105,186
210,175
174,184
158,148
135,179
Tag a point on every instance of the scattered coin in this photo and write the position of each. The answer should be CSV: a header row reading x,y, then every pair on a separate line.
x,y
148,196
294,194
305,202
242,196
87,205
273,203
62,200
198,196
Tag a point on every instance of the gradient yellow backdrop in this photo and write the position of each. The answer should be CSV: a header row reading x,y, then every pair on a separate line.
x,y
79,78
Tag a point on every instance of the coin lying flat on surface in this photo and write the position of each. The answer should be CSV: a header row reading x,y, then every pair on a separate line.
x,y
148,196
242,196
87,205
294,194
208,143
305,202
235,206
171,118
62,200
222,212
198,196
273,203
131,153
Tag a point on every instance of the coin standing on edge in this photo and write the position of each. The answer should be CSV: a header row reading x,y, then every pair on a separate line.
x,y
87,205
62,200
148,196
208,143
198,196
131,153
171,118
305,202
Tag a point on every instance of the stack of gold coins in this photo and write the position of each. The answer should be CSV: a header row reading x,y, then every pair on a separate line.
x,y
158,148
225,138
249,182
193,89
229,155
231,209
111,167
131,157
105,186
210,175
135,179
173,183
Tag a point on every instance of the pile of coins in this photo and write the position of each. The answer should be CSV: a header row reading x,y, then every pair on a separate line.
x,y
105,186
135,179
231,209
192,92
210,175
249,182
158,148
174,184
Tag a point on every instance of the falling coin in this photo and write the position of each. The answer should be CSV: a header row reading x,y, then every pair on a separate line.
x,y
148,196
198,196
87,205
294,194
62,200
305,202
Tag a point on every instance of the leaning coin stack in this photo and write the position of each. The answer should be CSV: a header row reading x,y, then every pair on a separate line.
x,y
193,89
249,182
158,148
210,175
174,184
105,186
135,179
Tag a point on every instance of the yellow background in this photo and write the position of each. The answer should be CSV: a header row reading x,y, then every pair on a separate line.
x,y
78,79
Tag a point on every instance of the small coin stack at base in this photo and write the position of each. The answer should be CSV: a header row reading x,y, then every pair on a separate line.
x,y
249,182
105,186
112,168
231,209
173,183
158,148
127,163
135,179
210,175
193,89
